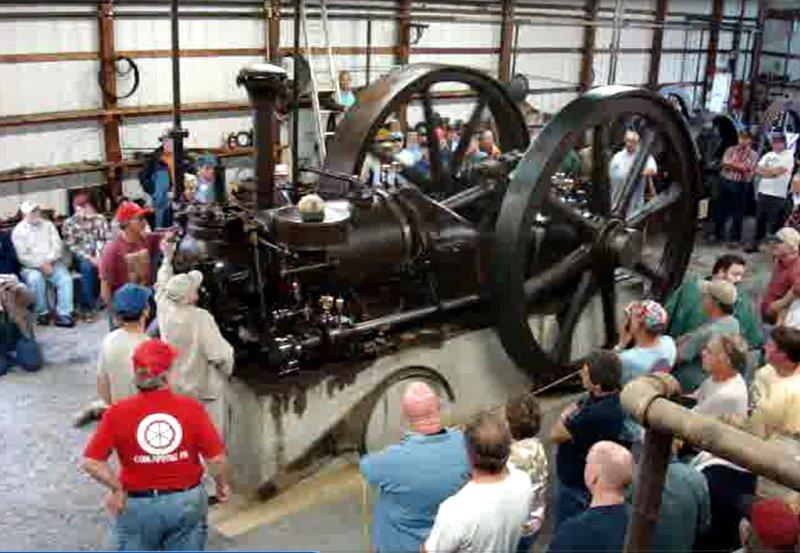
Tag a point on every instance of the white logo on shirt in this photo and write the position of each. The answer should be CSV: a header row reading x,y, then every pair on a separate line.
x,y
159,434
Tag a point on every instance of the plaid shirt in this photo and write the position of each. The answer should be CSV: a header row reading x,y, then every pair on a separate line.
x,y
86,235
743,155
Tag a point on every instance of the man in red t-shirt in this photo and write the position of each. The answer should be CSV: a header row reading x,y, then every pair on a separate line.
x,y
785,273
159,436
129,257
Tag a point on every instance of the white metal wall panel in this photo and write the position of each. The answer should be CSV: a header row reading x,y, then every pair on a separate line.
x,y
53,199
44,87
551,102
691,6
202,80
555,36
48,35
550,70
484,62
154,34
49,145
440,34
205,130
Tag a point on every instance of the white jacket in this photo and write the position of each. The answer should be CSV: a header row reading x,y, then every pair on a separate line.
x,y
205,358
36,244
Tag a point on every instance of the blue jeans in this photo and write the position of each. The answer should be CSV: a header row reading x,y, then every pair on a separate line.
x,y
61,279
569,503
90,284
732,201
161,199
173,522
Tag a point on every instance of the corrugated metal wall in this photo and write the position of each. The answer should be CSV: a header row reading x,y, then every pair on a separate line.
x,y
72,85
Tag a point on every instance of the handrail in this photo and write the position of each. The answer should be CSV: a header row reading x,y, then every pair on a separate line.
x,y
647,399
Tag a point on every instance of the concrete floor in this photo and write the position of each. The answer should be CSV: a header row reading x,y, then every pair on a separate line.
x,y
48,504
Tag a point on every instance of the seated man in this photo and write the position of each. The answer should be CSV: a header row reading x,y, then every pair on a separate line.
x,y
724,392
782,368
39,249
17,342
642,348
414,476
718,297
685,308
85,235
597,416
770,527
602,527
685,508
785,270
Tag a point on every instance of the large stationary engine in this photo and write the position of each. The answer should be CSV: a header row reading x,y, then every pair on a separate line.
x,y
470,241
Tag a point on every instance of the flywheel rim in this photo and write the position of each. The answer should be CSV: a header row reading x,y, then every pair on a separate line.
x,y
526,197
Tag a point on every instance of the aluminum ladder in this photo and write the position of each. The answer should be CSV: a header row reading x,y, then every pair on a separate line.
x,y
321,133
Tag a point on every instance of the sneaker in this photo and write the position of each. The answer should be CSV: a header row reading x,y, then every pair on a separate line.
x,y
43,319
753,248
733,245
65,321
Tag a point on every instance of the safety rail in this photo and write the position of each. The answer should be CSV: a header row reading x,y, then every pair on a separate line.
x,y
647,399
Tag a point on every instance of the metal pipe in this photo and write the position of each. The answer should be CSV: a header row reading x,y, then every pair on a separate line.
x,y
619,6
296,99
177,133
652,471
514,50
646,400
369,49
697,70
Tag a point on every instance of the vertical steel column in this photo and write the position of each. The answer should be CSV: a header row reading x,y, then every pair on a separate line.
x,y
273,29
619,10
296,97
789,50
755,61
736,47
713,44
177,132
369,51
697,68
589,38
657,45
506,34
111,141
403,50
650,484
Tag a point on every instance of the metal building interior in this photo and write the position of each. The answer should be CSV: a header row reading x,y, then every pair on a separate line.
x,y
89,87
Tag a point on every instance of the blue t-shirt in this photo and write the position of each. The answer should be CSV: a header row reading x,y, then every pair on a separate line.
x,y
638,361
597,418
596,529
413,477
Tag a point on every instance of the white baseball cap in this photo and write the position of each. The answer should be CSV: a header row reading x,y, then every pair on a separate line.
x,y
28,207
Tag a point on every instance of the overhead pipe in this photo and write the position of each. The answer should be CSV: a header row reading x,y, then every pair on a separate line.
x,y
647,399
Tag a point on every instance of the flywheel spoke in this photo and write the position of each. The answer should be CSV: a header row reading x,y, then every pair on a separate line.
x,y
655,205
573,216
468,196
433,143
557,274
466,135
568,322
624,196
653,274
600,201
608,297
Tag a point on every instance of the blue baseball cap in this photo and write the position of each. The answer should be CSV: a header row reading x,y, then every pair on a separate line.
x,y
778,135
207,159
131,300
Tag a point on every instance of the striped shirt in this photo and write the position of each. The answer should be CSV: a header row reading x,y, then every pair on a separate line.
x,y
739,155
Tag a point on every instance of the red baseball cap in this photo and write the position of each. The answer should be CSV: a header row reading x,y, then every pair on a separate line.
x,y
774,523
129,210
153,358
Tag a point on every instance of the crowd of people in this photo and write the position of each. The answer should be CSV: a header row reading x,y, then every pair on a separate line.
x,y
488,486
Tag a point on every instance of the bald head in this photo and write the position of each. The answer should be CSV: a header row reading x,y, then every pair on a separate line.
x,y
421,407
609,468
